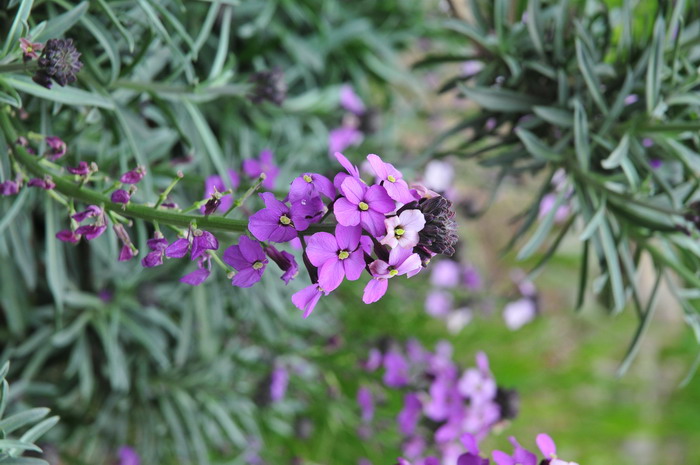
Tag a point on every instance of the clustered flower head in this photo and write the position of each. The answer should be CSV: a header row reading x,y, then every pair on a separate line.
x,y
59,62
442,403
386,229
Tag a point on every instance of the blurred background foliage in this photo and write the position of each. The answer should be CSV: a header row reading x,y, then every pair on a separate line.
x,y
126,355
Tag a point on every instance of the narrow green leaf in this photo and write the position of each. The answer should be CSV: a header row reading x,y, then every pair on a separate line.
x,y
67,95
56,272
222,50
21,419
653,82
15,32
534,25
120,27
554,115
613,265
23,461
585,65
473,33
55,27
594,223
16,444
4,394
500,13
4,369
205,133
499,99
582,277
617,155
9,216
560,29
536,147
581,142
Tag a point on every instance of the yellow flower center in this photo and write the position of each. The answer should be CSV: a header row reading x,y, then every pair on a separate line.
x,y
398,232
284,219
390,178
393,272
307,178
343,254
257,265
363,206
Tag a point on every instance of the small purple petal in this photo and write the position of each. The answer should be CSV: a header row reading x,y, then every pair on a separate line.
x,y
67,235
178,249
120,196
196,277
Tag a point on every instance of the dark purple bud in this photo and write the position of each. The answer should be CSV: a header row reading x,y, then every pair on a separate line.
x,y
178,249
126,254
90,212
57,146
9,188
120,196
59,61
133,176
68,236
268,85
169,205
82,169
91,231
285,261
212,205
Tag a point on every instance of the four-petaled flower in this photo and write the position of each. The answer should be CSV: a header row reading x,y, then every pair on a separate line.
x,y
391,179
400,262
277,222
363,205
402,230
310,185
336,257
30,48
248,259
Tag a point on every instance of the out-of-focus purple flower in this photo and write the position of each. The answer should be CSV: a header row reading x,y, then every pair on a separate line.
x,y
158,244
363,205
478,385
82,169
336,257
631,99
366,402
396,369
198,276
410,414
279,380
343,137
445,273
655,163
521,456
647,142
120,196
546,205
215,183
374,360
30,48
91,231
67,235
310,185
519,313
285,261
307,298
201,242
400,262
91,211
265,163
546,445
350,101
471,67
248,259
57,146
391,179
439,303
472,278
491,124
133,176
9,188
128,456
279,223
46,183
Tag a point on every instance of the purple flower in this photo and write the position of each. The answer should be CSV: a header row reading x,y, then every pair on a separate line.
x,y
310,185
57,146
126,253
307,298
285,261
546,205
546,445
337,257
133,176
366,402
198,276
410,414
67,235
9,188
214,184
519,313
402,230
91,231
350,101
46,183
279,381
253,168
438,303
248,259
374,360
128,456
655,163
631,98
201,242
178,248
158,245
647,142
472,278
471,67
29,49
120,196
521,456
401,261
391,179
343,137
59,61
82,169
363,205
396,369
279,223
445,273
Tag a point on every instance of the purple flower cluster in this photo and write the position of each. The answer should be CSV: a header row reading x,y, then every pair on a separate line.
x,y
442,403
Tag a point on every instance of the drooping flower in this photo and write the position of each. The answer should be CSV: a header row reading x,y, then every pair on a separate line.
x,y
285,261
350,101
307,298
310,185
57,146
337,257
120,196
363,205
201,242
279,223
198,276
158,245
46,183
215,184
59,61
128,251
82,169
402,230
91,231
133,176
248,259
30,49
391,179
67,235
279,381
265,163
9,188
400,262
396,369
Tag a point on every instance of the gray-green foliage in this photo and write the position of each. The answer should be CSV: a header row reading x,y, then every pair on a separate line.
x,y
20,429
131,356
557,94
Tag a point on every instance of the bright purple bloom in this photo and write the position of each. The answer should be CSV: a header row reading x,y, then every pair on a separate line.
x,y
410,415
279,223
133,176
391,179
120,196
445,273
46,183
158,245
82,169
363,205
366,402
310,185
248,259
343,137
350,101
198,276
67,235
91,231
9,188
402,230
178,248
547,446
264,164
285,261
215,184
57,146
126,253
279,381
307,298
201,242
396,366
30,48
128,456
401,261
337,257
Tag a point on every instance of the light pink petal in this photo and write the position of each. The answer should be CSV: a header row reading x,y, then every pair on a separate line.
x,y
375,290
322,246
352,169
409,239
412,263
331,274
413,220
379,200
546,445
379,268
378,166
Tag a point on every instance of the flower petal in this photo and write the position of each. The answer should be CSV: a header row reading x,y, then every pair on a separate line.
x,y
321,247
375,290
331,274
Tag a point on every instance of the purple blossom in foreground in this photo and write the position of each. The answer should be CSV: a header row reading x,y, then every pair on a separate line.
x,y
197,244
363,205
57,147
248,259
278,222
134,176
265,163
158,245
215,184
279,381
400,262
310,185
307,298
336,257
391,179
403,229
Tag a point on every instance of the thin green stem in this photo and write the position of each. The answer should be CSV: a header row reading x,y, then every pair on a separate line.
x,y
166,192
239,201
13,67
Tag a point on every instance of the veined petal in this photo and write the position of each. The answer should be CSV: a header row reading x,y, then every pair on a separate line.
x,y
346,213
321,247
331,274
247,277
353,190
373,222
379,200
375,290
235,259
348,237
354,265
378,166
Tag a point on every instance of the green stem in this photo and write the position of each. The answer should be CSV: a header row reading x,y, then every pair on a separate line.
x,y
14,67
132,210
